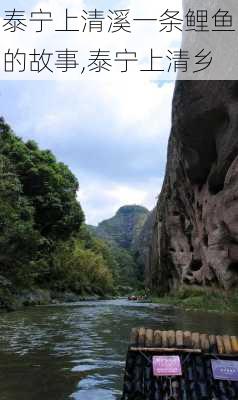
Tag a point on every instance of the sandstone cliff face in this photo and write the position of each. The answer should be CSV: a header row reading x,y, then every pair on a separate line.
x,y
142,248
195,234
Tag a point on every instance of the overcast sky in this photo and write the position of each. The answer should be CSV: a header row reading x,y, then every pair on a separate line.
x,y
113,135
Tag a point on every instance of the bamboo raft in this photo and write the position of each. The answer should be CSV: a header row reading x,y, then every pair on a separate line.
x,y
168,341
196,350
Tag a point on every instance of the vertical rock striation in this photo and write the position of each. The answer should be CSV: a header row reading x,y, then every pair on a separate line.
x,y
195,233
142,248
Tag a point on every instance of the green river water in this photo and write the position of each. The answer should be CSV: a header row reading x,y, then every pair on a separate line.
x,y
77,351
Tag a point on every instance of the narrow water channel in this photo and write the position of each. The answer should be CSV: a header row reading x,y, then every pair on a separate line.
x,y
77,351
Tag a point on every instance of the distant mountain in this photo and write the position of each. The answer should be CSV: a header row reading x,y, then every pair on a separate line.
x,y
124,228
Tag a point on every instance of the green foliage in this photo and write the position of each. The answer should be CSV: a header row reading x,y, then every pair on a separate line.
x,y
43,242
79,270
126,267
19,240
120,261
121,234
49,186
201,298
124,228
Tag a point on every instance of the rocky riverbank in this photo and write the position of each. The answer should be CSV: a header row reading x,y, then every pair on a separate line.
x,y
12,300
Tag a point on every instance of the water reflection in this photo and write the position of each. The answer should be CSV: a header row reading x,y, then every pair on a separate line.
x,y
78,351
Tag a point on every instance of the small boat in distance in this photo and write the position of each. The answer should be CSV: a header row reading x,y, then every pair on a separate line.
x,y
136,298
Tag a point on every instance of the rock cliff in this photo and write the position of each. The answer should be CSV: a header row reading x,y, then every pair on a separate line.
x,y
142,248
195,233
124,228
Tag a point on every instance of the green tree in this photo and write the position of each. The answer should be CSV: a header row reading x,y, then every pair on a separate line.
x,y
19,240
80,270
43,241
49,185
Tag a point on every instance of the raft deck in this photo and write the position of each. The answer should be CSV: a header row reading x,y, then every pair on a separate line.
x,y
196,352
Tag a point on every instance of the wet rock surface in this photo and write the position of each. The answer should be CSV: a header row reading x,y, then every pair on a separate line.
x,y
195,234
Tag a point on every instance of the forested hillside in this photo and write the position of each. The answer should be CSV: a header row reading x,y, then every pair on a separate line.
x,y
44,242
122,233
124,227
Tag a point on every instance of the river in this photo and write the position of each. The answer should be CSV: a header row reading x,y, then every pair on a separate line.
x,y
77,351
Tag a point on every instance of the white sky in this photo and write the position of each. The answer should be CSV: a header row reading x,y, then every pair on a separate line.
x,y
112,133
